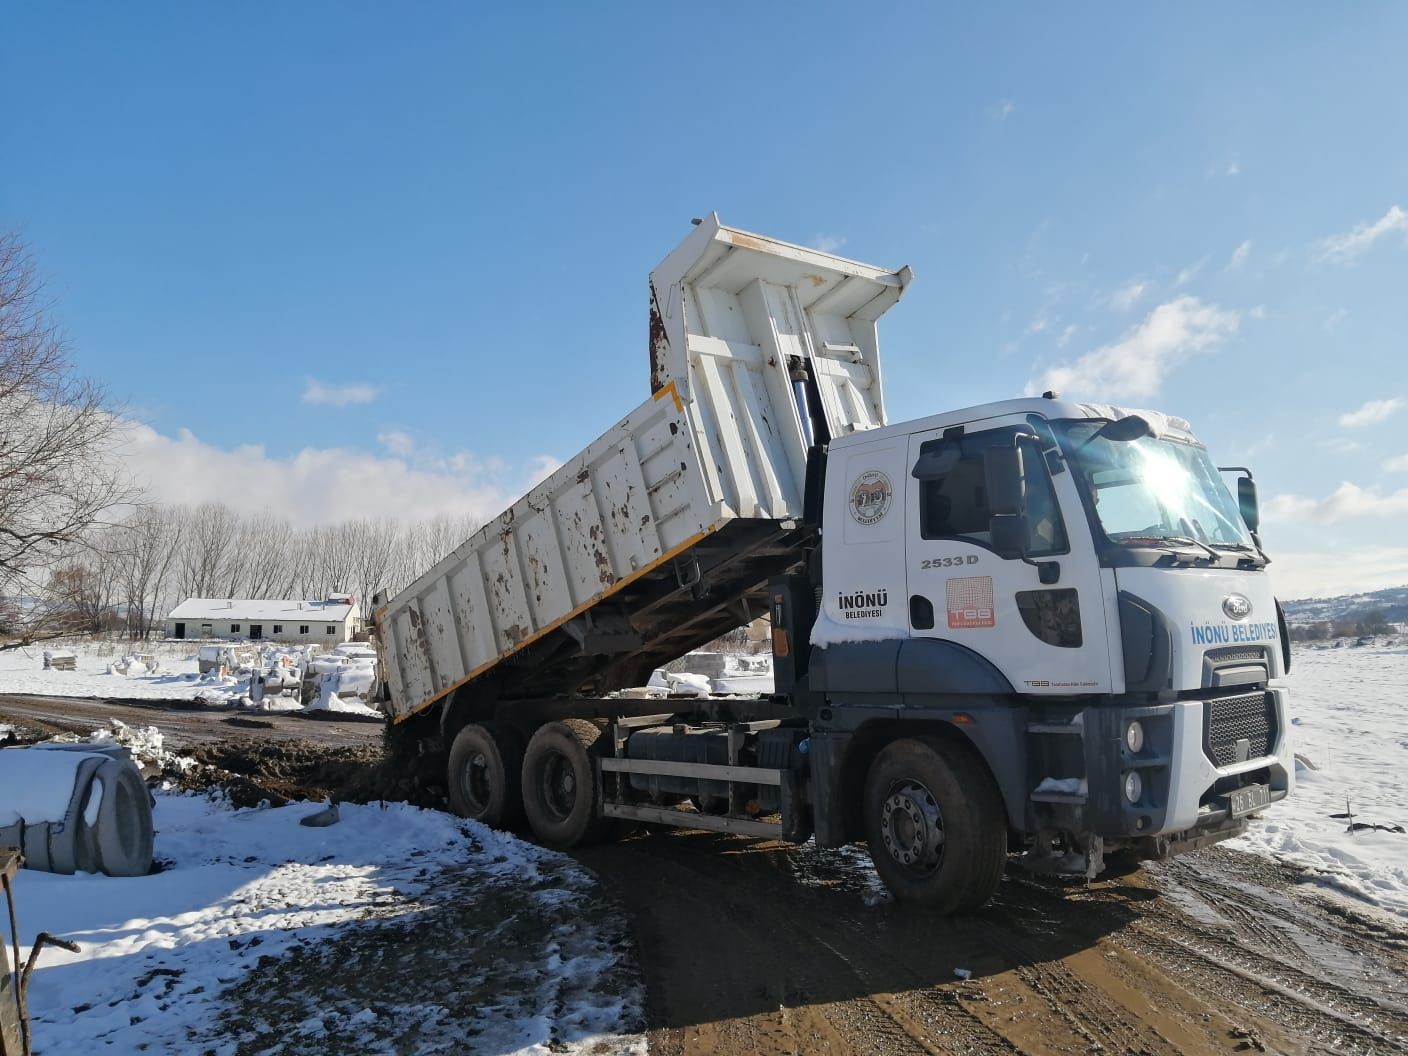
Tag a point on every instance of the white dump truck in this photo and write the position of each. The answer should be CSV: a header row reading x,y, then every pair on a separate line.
x,y
1037,626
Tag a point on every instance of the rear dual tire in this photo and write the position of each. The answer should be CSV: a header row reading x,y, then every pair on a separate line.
x,y
484,771
561,788
499,777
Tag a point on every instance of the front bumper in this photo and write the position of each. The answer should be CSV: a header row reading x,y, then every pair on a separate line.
x,y
1196,754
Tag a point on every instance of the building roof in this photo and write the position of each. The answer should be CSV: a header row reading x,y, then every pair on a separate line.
x,y
255,610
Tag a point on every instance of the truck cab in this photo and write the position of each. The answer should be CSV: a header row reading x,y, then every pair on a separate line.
x,y
1075,590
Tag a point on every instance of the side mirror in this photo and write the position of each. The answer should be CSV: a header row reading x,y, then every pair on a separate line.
x,y
1006,479
1123,430
1246,499
937,459
1009,533
1005,476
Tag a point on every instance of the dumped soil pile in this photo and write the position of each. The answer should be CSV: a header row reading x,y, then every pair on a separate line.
x,y
278,772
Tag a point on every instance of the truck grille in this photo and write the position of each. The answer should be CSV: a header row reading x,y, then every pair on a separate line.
x,y
1236,654
1248,717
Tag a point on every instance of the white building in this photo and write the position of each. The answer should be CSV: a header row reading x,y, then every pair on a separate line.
x,y
328,622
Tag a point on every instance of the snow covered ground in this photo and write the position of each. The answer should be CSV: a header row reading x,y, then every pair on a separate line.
x,y
1349,710
22,671
98,666
164,956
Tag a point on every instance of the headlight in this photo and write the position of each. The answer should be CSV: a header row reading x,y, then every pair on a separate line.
x,y
1134,736
1133,786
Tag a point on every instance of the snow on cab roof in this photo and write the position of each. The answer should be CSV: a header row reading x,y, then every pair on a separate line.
x,y
289,610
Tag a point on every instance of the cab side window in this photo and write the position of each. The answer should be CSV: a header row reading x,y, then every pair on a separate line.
x,y
954,505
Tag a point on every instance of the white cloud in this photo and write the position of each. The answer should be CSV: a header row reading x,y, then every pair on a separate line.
x,y
1002,109
829,243
1338,570
1347,502
1239,256
1333,320
1257,311
321,392
1234,168
1135,366
1372,413
1348,247
1397,464
1066,335
539,468
1190,273
321,485
1127,296
396,442
1039,322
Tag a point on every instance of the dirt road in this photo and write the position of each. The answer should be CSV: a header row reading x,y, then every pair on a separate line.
x,y
749,947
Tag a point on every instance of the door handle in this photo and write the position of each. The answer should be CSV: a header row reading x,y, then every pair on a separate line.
x,y
921,612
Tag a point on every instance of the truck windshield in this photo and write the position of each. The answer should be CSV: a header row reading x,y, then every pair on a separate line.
x,y
1153,490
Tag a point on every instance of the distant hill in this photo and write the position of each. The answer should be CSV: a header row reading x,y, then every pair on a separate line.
x,y
1391,601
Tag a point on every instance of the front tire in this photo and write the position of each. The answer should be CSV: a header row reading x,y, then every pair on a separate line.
x,y
561,787
484,774
935,824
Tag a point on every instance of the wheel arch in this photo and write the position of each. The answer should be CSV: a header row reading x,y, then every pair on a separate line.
x,y
474,702
871,738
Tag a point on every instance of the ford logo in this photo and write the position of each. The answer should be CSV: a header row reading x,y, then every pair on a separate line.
x,y
1237,606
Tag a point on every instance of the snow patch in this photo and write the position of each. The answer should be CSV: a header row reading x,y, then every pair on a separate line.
x,y
1351,725
243,891
37,786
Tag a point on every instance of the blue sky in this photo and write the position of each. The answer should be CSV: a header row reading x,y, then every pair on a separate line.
x,y
348,258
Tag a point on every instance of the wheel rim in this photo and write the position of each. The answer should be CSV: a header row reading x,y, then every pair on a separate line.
x,y
912,828
476,783
558,785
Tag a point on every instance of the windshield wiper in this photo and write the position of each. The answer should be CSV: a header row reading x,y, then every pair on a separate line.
x,y
1183,523
1174,543
1244,548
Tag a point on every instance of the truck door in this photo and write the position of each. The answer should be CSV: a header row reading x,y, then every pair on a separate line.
x,y
1039,618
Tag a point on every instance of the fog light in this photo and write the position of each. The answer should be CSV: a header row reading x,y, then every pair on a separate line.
x,y
1133,786
1134,736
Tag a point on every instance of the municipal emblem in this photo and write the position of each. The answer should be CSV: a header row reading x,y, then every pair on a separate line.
x,y
870,496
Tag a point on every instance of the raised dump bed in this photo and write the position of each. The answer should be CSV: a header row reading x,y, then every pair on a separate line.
x,y
661,534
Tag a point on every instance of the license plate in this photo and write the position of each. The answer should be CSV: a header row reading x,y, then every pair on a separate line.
x,y
1245,800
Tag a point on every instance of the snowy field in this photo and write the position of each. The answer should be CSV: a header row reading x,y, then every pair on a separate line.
x,y
1350,719
174,962
22,671
100,671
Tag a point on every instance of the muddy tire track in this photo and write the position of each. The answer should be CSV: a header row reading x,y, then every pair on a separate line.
x,y
755,947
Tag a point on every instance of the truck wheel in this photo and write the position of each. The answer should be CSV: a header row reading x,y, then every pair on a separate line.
x,y
561,791
935,824
484,774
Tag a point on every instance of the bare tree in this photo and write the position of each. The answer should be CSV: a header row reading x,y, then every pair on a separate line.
x,y
207,550
147,552
261,560
332,554
84,589
160,555
58,475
